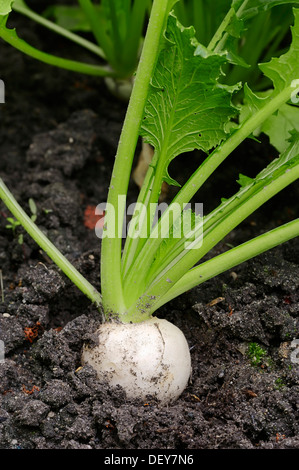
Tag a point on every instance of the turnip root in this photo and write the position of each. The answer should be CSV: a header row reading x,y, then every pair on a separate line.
x,y
150,358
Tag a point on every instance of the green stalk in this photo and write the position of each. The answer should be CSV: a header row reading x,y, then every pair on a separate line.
x,y
255,40
132,243
145,257
59,259
218,40
156,188
218,34
149,196
117,40
230,259
97,27
10,36
212,221
22,8
187,260
226,148
112,288
134,34
155,176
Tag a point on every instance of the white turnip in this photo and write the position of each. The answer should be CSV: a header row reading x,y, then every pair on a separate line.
x,y
150,358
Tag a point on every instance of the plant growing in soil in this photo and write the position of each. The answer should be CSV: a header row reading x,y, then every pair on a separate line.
x,y
256,353
115,27
178,104
112,31
258,34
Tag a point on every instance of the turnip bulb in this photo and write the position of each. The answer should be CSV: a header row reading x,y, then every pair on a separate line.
x,y
150,358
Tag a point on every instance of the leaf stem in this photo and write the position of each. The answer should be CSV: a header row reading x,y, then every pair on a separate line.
x,y
146,256
97,28
132,243
11,37
59,259
133,37
230,259
112,288
218,34
218,40
22,8
178,268
223,214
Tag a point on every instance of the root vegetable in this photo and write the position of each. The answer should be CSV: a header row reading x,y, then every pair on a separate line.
x,y
150,358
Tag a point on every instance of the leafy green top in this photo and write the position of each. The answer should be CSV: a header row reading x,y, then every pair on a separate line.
x,y
5,6
188,108
281,70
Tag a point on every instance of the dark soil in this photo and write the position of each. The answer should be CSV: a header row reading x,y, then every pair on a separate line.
x,y
58,134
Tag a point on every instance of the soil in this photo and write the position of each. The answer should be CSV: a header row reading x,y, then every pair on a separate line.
x,y
59,133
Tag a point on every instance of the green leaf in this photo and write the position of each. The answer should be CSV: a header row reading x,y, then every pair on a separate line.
x,y
279,126
116,13
170,251
187,107
5,7
288,159
233,54
251,186
32,206
244,180
253,7
71,18
235,27
281,70
204,16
